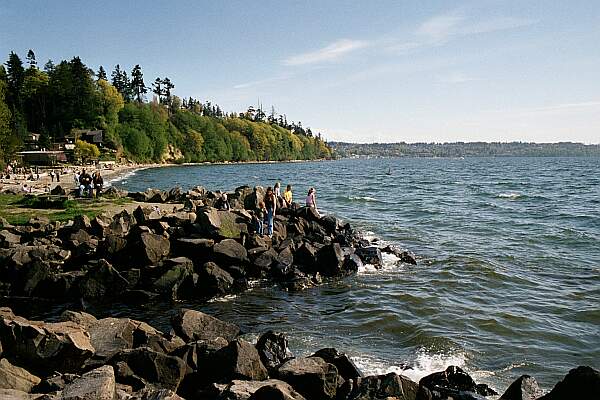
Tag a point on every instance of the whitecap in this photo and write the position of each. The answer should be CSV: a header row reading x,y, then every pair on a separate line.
x,y
223,299
362,198
510,195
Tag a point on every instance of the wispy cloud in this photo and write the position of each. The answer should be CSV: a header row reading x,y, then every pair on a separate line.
x,y
456,78
332,52
261,82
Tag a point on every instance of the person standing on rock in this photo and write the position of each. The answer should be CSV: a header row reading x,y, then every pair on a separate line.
x,y
287,196
259,217
311,199
271,206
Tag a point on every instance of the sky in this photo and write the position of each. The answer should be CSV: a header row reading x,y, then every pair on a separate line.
x,y
357,71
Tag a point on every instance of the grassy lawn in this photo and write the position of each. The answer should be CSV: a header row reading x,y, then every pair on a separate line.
x,y
18,209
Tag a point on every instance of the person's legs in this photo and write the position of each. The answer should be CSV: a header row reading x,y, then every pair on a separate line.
x,y
90,190
81,188
270,222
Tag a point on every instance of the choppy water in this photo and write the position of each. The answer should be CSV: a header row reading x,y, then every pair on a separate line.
x,y
508,280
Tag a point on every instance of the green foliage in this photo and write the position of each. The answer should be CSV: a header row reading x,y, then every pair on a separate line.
x,y
86,151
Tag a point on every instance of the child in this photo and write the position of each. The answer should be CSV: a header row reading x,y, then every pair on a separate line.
x,y
259,216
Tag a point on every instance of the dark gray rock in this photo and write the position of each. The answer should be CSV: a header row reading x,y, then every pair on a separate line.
x,y
381,387
330,260
312,377
345,366
352,263
152,248
273,349
98,384
580,383
8,239
453,381
193,325
230,252
238,360
524,388
274,389
102,280
370,255
213,281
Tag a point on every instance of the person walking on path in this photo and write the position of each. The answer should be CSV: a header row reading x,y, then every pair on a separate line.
x,y
271,206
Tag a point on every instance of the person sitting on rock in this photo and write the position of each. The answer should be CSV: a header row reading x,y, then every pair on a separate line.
x,y
98,183
287,196
222,203
271,206
85,184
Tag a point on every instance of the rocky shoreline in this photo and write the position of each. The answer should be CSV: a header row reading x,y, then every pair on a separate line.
x,y
193,252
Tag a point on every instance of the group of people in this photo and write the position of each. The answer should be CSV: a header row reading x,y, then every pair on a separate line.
x,y
265,213
90,185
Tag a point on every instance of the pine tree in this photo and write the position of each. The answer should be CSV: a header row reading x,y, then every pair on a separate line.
x,y
157,88
167,86
137,83
31,59
101,74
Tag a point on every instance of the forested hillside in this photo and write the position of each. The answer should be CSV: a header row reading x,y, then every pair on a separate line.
x,y
57,99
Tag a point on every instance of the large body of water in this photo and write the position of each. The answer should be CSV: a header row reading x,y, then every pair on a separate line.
x,y
508,274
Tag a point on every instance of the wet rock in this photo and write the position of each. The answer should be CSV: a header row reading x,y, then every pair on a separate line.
x,y
193,325
306,256
150,366
102,280
524,388
138,296
98,384
263,262
238,360
345,366
273,349
452,381
381,387
195,354
312,377
214,281
229,252
13,377
28,342
330,260
580,383
370,255
352,263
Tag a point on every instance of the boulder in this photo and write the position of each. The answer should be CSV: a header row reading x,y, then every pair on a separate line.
x,y
330,223
230,252
144,214
102,280
312,377
8,239
232,225
81,221
109,336
121,223
208,220
345,366
171,281
12,394
452,381
194,325
273,349
79,317
263,261
309,214
43,347
390,386
150,366
213,281
195,354
156,394
13,377
58,191
198,249
113,247
152,248
330,260
580,383
238,360
370,255
251,200
524,388
352,263
180,218
98,384
115,192
276,390
306,256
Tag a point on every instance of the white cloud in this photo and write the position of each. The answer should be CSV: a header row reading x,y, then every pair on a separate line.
x,y
262,82
456,78
328,53
440,27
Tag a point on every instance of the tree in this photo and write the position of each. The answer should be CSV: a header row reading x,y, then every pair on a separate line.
x,y
157,88
167,85
31,59
101,74
137,83
15,76
111,102
120,80
86,151
5,131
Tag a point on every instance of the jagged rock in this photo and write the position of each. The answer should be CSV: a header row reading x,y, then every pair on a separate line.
x,y
113,247
276,390
264,261
310,214
144,214
121,223
109,336
13,377
98,384
345,366
580,383
524,388
352,263
306,255
214,281
138,296
79,317
28,342
180,218
152,248
195,354
149,196
370,255
381,387
12,394
230,252
312,377
156,394
151,366
330,260
273,349
232,226
58,191
238,360
8,239
196,248
251,200
194,325
102,280
452,381
115,192
55,382
82,221
330,223
172,281
208,220
145,335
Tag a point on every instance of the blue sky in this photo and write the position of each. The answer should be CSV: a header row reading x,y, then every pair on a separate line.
x,y
357,71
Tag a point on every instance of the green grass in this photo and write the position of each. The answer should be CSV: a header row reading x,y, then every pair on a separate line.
x,y
18,209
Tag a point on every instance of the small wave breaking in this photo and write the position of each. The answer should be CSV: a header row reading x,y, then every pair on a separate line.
x,y
510,196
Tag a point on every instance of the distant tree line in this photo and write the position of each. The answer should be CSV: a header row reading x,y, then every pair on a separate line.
x,y
465,149
59,98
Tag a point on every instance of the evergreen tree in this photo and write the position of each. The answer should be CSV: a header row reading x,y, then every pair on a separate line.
x,y
31,59
167,86
49,66
101,74
137,83
157,88
15,74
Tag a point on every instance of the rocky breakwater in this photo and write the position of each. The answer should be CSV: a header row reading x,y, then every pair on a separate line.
x,y
193,252
80,357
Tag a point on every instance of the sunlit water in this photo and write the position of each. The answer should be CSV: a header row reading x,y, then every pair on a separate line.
x,y
508,278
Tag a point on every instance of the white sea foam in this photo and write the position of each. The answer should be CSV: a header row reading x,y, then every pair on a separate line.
x,y
423,364
510,195
223,299
362,198
121,178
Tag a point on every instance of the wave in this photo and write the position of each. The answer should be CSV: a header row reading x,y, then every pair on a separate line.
x,y
121,178
511,196
363,198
